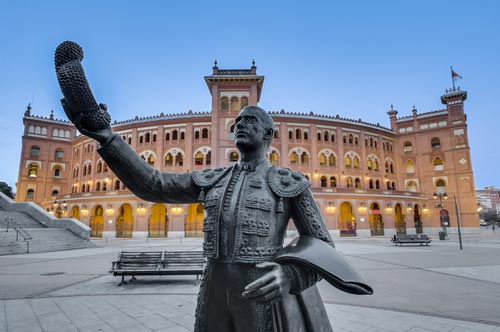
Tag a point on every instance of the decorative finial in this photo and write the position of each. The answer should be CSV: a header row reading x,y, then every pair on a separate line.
x,y
253,63
215,63
392,107
28,110
52,114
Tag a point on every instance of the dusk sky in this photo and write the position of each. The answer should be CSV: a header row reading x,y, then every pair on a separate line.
x,y
352,58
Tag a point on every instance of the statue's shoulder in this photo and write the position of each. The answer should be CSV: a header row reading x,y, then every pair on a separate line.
x,y
209,177
286,183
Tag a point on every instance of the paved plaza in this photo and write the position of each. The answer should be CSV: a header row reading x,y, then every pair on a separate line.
x,y
435,288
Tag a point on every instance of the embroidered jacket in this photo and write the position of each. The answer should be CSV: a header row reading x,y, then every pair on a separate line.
x,y
270,197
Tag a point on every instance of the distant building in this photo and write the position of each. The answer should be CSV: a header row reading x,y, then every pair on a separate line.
x,y
368,180
489,198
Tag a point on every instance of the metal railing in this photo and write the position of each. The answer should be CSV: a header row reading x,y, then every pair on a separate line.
x,y
19,231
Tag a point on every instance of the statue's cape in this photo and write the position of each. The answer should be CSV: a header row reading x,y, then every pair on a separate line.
x,y
326,261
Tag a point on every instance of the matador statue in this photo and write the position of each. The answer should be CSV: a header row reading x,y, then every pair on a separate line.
x,y
250,283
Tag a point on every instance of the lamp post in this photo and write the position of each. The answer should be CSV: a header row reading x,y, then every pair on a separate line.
x,y
60,208
440,205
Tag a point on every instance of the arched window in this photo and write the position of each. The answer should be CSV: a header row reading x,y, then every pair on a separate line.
x,y
306,135
231,129
409,167
57,172
290,134
34,151
30,193
407,146
370,183
349,182
169,159
438,164
435,143
357,183
99,167
274,158
325,136
33,170
105,167
356,140
89,169
98,186
129,140
344,138
440,186
333,137
393,185
151,160
59,154
55,192
154,137
104,185
197,134
175,133
147,137
377,184
224,104
179,159
208,158
304,158
294,158
84,169
276,133
244,101
322,159
348,161
234,104
298,134
375,165
204,133
371,142
167,136
234,156
323,182
351,139
141,139
391,168
198,158
355,162
387,167
333,182
117,185
183,135
319,136
369,164
411,186
331,160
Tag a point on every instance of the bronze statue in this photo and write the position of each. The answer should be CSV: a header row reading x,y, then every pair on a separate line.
x,y
250,283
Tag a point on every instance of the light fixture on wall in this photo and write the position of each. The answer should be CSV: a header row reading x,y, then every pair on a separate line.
x,y
388,207
330,208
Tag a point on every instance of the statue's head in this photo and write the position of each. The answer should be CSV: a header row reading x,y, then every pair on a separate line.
x,y
254,128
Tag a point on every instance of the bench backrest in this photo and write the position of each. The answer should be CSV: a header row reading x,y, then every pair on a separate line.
x,y
151,259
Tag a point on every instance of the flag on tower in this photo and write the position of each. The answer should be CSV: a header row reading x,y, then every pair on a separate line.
x,y
455,75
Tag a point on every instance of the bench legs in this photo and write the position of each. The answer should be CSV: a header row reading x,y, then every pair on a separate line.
x,y
123,280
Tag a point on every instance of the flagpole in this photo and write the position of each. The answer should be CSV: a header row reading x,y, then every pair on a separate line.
x,y
452,78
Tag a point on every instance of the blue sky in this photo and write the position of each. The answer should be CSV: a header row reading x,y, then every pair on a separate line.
x,y
352,58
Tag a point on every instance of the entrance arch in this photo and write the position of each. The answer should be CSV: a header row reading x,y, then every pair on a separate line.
x,y
124,222
375,218
417,218
158,221
75,212
193,226
97,222
347,222
399,220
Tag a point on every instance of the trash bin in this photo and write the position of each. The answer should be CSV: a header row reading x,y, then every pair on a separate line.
x,y
441,236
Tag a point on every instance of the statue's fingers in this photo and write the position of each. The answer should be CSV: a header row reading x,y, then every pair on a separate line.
x,y
261,292
265,279
269,297
266,265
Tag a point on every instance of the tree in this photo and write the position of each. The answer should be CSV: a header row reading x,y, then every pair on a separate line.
x,y
6,189
489,215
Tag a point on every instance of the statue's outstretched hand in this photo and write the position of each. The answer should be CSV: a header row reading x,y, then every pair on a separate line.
x,y
100,135
271,287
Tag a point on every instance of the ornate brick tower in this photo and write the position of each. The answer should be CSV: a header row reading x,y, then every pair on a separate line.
x,y
231,90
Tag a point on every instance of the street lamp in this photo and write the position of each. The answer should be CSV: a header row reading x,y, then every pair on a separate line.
x,y
60,208
440,205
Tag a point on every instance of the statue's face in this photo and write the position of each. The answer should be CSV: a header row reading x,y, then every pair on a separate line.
x,y
250,129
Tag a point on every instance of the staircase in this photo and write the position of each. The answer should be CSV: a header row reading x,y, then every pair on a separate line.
x,y
47,232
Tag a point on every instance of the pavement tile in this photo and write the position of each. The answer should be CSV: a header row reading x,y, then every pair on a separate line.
x,y
97,328
348,325
175,328
155,321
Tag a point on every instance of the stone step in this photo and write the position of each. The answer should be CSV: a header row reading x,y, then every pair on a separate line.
x,y
19,218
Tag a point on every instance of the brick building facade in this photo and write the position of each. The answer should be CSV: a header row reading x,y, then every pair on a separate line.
x,y
367,179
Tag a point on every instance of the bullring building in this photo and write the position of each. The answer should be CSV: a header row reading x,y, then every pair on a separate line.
x,y
367,179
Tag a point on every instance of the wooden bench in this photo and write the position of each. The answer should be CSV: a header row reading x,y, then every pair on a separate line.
x,y
158,263
420,239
